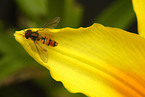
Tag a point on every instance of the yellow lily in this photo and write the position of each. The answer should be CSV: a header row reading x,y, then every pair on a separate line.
x,y
97,61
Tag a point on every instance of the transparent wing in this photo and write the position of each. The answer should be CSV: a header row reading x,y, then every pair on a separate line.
x,y
35,46
51,23
42,52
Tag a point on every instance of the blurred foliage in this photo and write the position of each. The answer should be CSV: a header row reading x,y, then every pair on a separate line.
x,y
119,14
40,11
20,75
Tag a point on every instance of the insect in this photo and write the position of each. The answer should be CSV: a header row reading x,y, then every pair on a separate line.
x,y
37,38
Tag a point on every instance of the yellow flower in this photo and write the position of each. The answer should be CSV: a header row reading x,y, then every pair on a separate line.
x,y
97,61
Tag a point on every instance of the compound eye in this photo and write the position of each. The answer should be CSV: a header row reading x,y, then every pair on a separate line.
x,y
28,34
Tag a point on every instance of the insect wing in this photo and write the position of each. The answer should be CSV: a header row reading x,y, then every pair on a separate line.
x,y
35,46
51,23
42,52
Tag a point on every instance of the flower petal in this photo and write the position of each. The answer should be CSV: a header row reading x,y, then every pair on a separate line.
x,y
97,61
139,7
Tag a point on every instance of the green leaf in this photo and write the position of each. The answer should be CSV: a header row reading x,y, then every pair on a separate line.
x,y
119,14
36,9
72,14
69,12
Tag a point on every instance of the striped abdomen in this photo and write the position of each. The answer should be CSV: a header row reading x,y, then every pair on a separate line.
x,y
48,41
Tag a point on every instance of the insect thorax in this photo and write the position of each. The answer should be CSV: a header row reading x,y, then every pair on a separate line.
x,y
35,36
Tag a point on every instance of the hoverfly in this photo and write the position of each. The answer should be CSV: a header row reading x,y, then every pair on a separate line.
x,y
37,38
